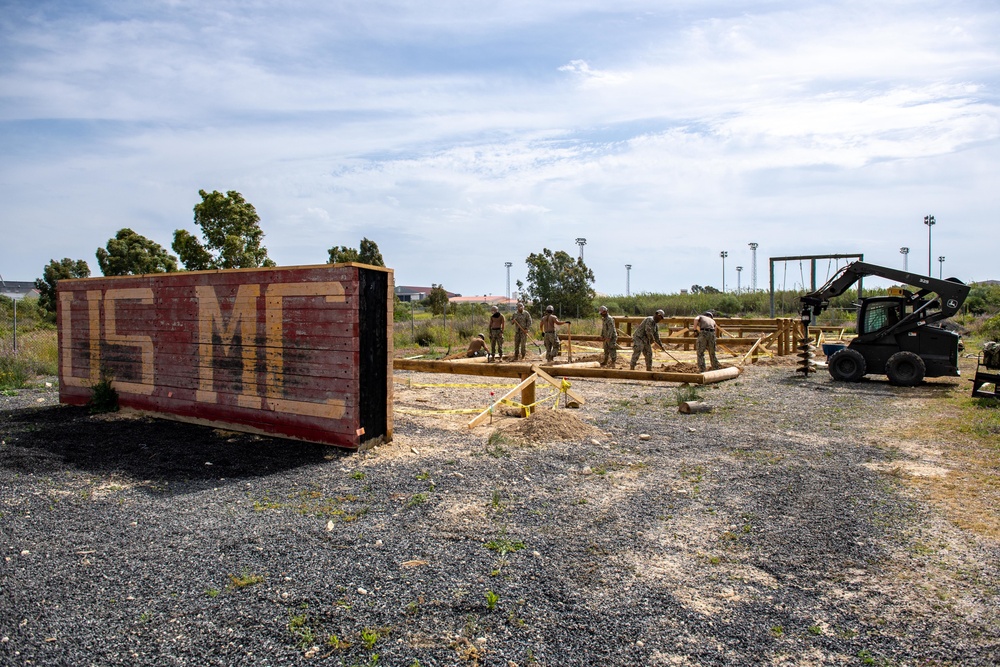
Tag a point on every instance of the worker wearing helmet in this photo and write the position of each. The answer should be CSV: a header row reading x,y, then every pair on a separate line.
x,y
522,325
609,335
704,324
549,323
643,338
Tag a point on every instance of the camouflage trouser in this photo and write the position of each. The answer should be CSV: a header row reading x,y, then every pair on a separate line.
x,y
610,353
496,342
706,340
520,346
551,345
645,348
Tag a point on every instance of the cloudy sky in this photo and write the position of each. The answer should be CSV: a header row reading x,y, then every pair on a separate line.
x,y
460,135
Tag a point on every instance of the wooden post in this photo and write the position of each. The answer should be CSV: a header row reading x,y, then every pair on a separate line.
x,y
527,395
691,407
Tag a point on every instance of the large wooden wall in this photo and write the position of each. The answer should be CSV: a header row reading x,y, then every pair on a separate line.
x,y
299,352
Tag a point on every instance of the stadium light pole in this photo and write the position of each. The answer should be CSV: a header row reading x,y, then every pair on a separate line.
x,y
905,252
941,267
930,222
508,265
628,275
581,242
723,255
739,273
753,266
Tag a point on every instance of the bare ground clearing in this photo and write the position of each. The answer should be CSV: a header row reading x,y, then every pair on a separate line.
x,y
800,523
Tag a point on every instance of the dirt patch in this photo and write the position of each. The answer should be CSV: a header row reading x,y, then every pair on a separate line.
x,y
550,426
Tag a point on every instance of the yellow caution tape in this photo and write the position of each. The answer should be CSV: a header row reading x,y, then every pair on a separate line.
x,y
461,385
464,411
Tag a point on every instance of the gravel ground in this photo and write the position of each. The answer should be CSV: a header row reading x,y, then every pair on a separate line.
x,y
771,531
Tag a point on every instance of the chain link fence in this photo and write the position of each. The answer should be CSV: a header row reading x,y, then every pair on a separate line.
x,y
28,345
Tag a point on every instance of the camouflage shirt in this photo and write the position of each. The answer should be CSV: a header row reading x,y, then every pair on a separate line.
x,y
647,331
608,330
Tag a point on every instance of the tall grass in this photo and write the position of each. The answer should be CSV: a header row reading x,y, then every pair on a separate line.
x,y
37,351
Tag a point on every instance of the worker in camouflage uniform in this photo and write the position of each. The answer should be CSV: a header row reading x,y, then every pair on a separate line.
x,y
549,324
704,324
522,325
643,338
609,334
497,323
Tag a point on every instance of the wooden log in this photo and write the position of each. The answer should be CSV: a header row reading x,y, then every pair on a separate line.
x,y
519,370
691,407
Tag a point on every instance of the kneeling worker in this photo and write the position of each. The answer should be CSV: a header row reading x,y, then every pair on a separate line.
x,y
477,346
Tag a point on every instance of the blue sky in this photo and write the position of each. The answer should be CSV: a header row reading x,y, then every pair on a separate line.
x,y
463,135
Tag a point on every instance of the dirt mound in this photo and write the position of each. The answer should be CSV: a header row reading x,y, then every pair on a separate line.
x,y
549,426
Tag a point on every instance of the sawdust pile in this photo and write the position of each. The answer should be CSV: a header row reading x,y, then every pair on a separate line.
x,y
550,426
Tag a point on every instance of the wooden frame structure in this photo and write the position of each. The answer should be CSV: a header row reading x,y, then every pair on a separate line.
x,y
297,352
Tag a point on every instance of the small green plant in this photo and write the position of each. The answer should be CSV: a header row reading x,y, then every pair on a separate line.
x,y
815,630
358,474
416,499
369,636
336,643
496,445
145,617
777,631
245,579
298,626
688,393
491,600
104,397
212,592
423,475
504,545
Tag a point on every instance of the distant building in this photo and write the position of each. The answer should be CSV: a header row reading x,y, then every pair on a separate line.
x,y
409,293
485,299
14,289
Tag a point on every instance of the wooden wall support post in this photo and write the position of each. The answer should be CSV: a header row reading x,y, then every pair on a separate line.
x,y
527,395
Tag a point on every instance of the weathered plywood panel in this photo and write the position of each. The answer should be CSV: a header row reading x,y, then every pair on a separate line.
x,y
300,352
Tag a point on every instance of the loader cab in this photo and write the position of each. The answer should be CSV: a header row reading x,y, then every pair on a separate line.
x,y
881,312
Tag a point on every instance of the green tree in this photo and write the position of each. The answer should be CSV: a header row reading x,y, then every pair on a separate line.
x,y
437,300
130,254
231,229
54,272
367,254
555,278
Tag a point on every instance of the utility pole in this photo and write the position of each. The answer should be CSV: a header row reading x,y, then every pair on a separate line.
x,y
941,267
723,255
929,221
628,274
753,266
905,252
739,272
508,265
581,242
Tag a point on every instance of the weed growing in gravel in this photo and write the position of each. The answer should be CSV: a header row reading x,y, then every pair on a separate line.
x,y
358,474
245,579
212,592
491,600
815,630
496,445
777,631
416,499
423,476
370,636
104,397
623,405
687,393
298,626
338,644
504,545
145,617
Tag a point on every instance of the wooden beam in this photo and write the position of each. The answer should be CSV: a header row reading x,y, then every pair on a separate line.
x,y
481,417
520,370
557,384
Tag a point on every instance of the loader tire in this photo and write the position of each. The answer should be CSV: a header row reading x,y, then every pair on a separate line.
x,y
847,365
905,369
